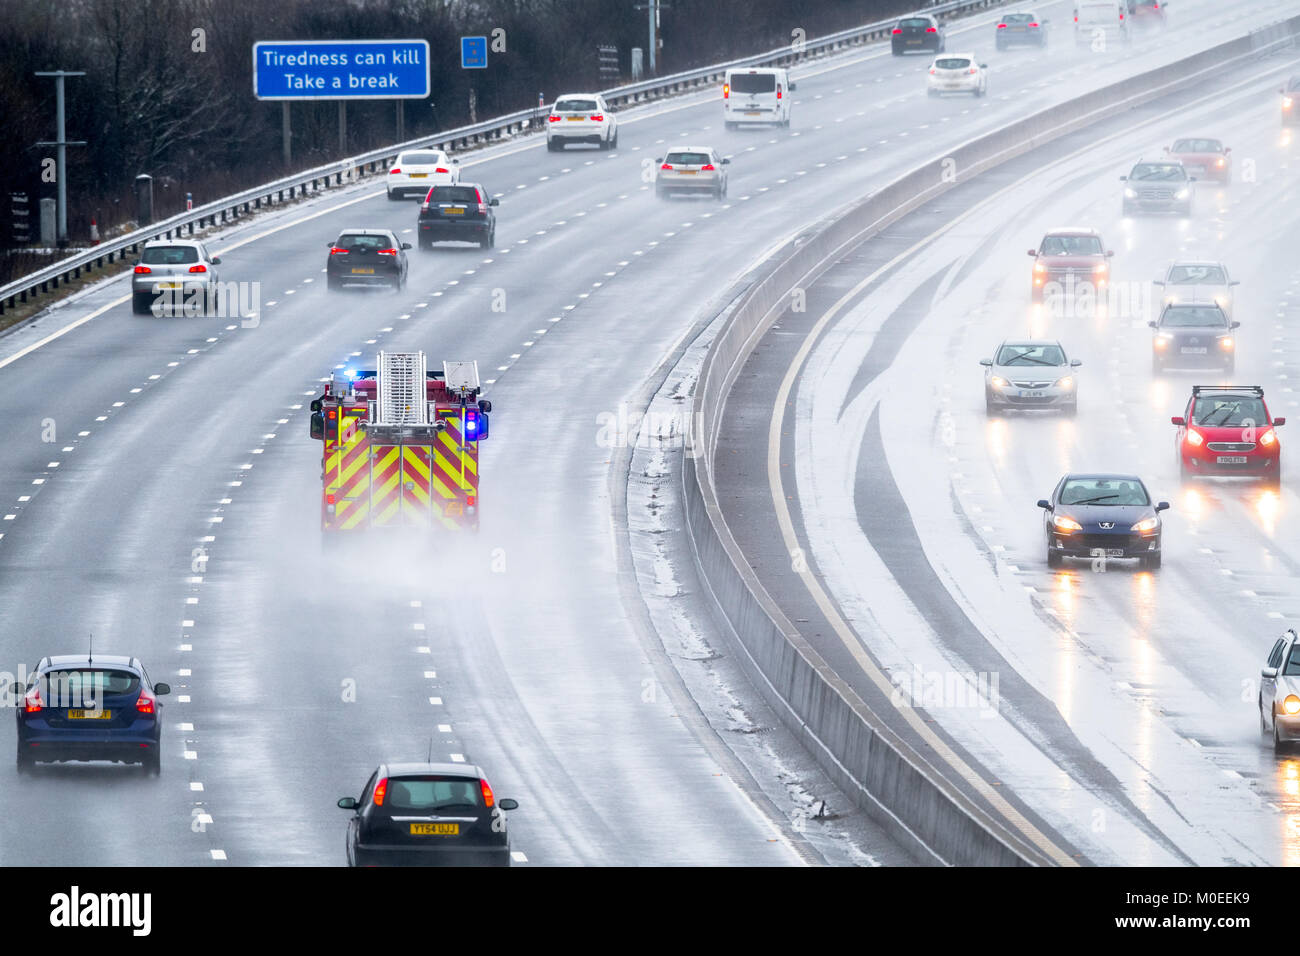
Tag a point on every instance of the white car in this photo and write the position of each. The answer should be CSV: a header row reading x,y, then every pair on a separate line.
x,y
1030,373
418,170
1198,283
581,118
958,73
1279,692
757,96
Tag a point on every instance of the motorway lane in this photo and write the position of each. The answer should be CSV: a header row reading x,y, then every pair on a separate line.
x,y
1148,672
114,545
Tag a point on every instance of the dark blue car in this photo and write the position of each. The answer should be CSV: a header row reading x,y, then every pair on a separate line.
x,y
1102,516
90,708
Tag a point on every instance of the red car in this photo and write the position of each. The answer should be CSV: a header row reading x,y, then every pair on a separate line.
x,y
1067,260
1227,430
1203,158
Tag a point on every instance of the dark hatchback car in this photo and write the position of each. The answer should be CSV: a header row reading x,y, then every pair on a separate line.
x,y
367,257
427,814
462,213
1102,516
920,32
1193,336
1021,28
89,708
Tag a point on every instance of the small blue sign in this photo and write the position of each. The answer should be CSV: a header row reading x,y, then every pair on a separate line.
x,y
473,53
341,69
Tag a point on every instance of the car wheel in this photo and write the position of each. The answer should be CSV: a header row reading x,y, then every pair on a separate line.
x,y
660,194
332,282
392,197
1126,210
1263,724
1072,409
1156,365
1000,46
931,93
1184,474
1054,559
552,146
717,193
1274,479
23,762
1151,562
486,241
1230,366
898,52
140,302
603,144
613,141
1278,746
153,763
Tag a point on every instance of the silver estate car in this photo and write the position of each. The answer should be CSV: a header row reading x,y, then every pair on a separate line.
x,y
175,276
1198,283
1030,373
692,169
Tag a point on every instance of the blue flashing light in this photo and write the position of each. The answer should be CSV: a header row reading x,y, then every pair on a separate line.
x,y
352,373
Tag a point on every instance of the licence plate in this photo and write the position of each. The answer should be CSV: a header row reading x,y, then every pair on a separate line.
x,y
913,41
90,714
686,172
1114,552
575,119
169,285
1232,459
755,113
419,175
1024,394
363,272
435,829
459,211
1191,350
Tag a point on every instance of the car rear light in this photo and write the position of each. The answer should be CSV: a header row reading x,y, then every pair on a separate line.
x,y
666,166
778,91
933,71
388,252
1076,19
1003,26
199,268
1034,25
972,70
145,702
395,171
897,31
708,167
1195,438
488,799
552,118
1121,16
1267,438
597,117
441,170
471,500
32,700
142,270
726,90
381,788
334,249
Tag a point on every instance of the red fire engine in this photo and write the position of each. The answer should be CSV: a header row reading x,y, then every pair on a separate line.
x,y
401,445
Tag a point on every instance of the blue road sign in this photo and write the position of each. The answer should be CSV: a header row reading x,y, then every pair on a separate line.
x,y
341,69
473,53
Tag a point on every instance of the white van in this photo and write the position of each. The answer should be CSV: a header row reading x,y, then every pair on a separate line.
x,y
1095,19
758,95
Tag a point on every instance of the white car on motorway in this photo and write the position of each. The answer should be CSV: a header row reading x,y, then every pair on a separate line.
x,y
175,275
581,118
1198,283
1030,373
418,170
756,96
958,73
1279,692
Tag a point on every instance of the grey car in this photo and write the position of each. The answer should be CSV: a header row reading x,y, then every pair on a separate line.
x,y
1198,283
1279,692
1158,187
1030,373
697,169
175,275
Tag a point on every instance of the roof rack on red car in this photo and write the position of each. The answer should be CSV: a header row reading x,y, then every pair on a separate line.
x,y
1253,389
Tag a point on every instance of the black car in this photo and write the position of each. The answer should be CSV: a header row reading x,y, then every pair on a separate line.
x,y
1161,186
919,32
427,814
1102,516
1291,101
1193,335
89,707
367,257
1023,28
462,212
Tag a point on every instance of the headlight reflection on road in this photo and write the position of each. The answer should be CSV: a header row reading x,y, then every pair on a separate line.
x,y
1268,506
995,440
1144,599
1158,395
1288,778
1192,504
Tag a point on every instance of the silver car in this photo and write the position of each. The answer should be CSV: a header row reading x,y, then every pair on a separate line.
x,y
696,169
1279,685
1030,373
1198,283
175,275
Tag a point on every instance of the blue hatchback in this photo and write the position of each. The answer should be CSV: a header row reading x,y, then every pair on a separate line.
x,y
1102,516
90,708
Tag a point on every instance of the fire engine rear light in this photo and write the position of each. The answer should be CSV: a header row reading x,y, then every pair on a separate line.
x,y
142,270
381,789
145,702
32,701
471,500
199,268
336,249
395,171
488,799
329,499
332,414
388,252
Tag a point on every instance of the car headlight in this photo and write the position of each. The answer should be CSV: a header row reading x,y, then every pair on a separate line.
x,y
1182,194
1220,164
1146,524
1225,343
1286,102
1062,523
1267,438
997,382
1221,301
1161,340
1292,704
1100,268
1039,267
1130,194
1066,383
1194,437
1170,299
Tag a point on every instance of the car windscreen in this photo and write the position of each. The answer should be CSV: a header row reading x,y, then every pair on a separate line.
x,y
1104,491
576,106
1030,355
431,793
753,82
420,159
952,63
1292,668
73,688
359,243
169,255
1071,246
1197,275
915,23
1018,18
457,194
1194,316
1197,146
687,159
1228,411
1158,172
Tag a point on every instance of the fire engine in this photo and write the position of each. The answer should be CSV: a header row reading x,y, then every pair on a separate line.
x,y
400,445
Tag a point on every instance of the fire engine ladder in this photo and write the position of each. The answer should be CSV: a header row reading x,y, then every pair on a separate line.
x,y
461,381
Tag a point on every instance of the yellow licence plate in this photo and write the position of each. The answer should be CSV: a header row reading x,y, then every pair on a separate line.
x,y
435,829
90,714
363,272
419,175
687,172
575,119
754,114
459,211
169,285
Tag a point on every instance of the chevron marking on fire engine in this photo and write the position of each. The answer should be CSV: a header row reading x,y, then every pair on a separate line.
x,y
385,484
415,486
